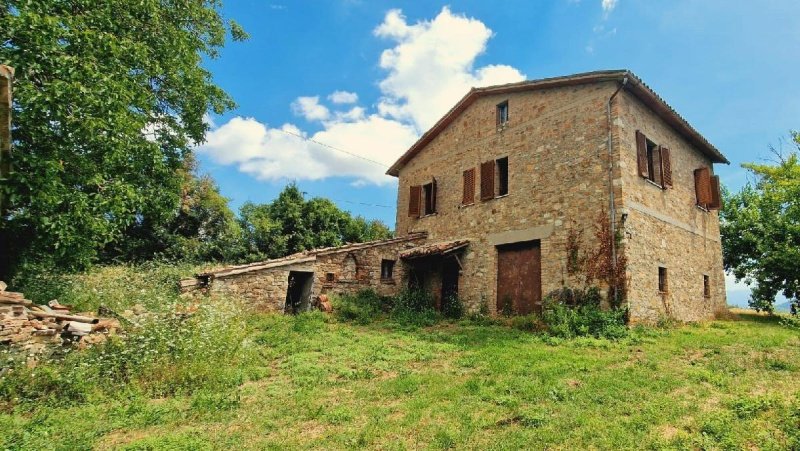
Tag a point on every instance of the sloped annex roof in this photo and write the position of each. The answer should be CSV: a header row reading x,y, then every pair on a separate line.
x,y
634,85
301,257
442,248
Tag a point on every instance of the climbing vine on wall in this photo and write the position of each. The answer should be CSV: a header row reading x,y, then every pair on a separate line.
x,y
597,264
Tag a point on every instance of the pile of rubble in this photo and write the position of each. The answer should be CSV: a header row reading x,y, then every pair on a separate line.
x,y
32,327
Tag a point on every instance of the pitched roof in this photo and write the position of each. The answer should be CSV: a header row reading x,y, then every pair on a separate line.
x,y
442,248
634,85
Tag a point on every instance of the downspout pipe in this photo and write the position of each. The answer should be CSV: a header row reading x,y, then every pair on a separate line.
x,y
612,210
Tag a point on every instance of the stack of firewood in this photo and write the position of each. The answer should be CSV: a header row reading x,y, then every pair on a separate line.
x,y
34,327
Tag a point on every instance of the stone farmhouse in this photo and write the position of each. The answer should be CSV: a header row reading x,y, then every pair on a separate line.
x,y
504,194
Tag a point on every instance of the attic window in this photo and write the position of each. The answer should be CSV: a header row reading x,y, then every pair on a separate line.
x,y
502,114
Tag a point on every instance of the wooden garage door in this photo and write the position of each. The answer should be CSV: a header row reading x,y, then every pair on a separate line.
x,y
519,278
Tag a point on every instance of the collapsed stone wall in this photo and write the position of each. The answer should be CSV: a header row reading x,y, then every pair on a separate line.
x,y
343,270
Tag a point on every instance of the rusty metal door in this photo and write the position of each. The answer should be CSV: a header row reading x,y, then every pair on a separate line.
x,y
519,278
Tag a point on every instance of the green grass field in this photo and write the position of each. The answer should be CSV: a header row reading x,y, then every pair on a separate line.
x,y
311,382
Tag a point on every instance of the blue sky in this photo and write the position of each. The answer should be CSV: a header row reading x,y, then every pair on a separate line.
x,y
368,77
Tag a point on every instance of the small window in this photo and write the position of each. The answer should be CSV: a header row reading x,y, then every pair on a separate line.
x,y
502,176
706,286
429,193
387,269
502,114
330,277
662,280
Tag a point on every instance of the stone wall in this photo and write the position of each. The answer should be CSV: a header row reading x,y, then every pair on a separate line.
x,y
333,274
556,145
265,289
665,228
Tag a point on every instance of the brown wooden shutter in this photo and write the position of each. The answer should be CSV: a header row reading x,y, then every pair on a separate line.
x,y
641,154
666,167
487,180
702,187
413,201
469,187
716,196
658,174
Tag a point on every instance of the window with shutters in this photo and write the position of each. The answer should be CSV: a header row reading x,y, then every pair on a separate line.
x,y
662,280
502,114
494,178
707,189
468,197
654,161
706,286
429,195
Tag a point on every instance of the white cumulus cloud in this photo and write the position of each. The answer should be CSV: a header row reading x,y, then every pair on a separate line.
x,y
280,154
430,66
343,97
310,108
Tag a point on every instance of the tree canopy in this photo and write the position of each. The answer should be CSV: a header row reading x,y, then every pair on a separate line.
x,y
761,231
109,98
292,224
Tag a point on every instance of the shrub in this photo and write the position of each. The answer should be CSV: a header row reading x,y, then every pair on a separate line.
x,y
586,319
575,297
452,307
790,322
506,306
361,308
415,306
528,323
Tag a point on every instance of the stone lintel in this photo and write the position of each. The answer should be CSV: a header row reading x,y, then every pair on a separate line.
x,y
516,236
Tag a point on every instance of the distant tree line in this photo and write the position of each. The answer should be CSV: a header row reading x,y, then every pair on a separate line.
x,y
203,228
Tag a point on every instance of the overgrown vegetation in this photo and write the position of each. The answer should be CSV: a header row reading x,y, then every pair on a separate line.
x,y
230,379
164,352
409,307
567,313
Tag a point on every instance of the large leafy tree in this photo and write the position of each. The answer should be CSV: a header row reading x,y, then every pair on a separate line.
x,y
201,228
109,97
761,231
292,224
